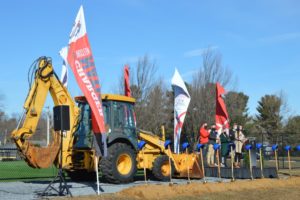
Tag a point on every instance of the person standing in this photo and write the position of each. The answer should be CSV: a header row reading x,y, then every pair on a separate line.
x,y
211,141
232,139
240,139
224,138
203,137
232,132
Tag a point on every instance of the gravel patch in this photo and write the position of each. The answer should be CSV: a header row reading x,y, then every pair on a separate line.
x,y
34,189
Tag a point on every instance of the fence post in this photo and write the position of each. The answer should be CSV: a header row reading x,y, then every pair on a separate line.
x,y
275,148
282,150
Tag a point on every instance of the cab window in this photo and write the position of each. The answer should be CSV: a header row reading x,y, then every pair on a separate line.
x,y
123,115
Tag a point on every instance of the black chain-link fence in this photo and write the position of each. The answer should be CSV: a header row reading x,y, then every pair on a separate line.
x,y
282,154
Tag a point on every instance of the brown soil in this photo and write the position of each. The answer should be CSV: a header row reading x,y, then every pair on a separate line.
x,y
257,189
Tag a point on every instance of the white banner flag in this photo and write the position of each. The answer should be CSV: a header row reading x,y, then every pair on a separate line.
x,y
181,103
64,71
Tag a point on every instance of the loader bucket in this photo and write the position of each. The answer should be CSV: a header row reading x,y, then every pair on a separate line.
x,y
185,162
196,171
41,157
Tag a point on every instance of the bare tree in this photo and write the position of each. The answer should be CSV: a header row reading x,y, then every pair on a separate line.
x,y
154,104
284,110
149,92
203,94
213,70
2,114
292,130
7,124
154,114
143,89
142,78
145,77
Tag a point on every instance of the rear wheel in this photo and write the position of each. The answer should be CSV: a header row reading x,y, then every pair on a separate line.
x,y
120,164
161,168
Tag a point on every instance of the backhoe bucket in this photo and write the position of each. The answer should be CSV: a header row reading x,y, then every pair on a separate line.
x,y
41,157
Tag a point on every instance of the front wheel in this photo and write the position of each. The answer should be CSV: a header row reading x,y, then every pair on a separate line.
x,y
120,164
161,168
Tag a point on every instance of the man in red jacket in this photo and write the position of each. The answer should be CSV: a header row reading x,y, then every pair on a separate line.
x,y
204,138
204,134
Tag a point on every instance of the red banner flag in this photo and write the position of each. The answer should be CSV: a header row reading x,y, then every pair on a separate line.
x,y
222,120
126,81
81,61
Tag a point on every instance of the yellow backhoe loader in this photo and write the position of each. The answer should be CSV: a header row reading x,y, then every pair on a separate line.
x,y
124,157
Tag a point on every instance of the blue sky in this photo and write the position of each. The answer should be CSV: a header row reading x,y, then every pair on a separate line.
x,y
259,41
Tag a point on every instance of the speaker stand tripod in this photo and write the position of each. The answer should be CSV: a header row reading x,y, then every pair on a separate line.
x,y
63,188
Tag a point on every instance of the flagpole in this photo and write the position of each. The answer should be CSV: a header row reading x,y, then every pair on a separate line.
x,y
170,165
97,174
202,165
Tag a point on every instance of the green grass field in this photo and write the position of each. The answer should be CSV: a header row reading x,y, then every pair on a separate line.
x,y
19,170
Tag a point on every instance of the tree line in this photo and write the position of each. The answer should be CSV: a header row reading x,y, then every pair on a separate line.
x,y
9,122
155,102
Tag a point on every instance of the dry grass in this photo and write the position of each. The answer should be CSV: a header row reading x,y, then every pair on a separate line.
x,y
294,172
258,189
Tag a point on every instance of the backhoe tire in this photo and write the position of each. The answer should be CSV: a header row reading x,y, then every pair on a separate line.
x,y
120,164
161,168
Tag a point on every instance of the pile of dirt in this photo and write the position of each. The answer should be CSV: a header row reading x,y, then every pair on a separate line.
x,y
241,189
198,189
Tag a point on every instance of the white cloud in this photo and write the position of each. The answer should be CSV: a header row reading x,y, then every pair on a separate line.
x,y
280,38
198,52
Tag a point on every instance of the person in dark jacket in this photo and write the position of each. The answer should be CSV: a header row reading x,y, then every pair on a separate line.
x,y
211,141
232,132
224,138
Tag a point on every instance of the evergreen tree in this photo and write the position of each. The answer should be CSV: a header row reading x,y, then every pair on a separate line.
x,y
236,103
269,117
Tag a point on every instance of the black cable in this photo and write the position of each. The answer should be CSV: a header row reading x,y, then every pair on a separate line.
x,y
42,68
36,70
32,69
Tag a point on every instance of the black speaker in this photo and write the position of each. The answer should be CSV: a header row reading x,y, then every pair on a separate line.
x,y
61,116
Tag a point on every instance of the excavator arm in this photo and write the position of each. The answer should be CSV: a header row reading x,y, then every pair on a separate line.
x,y
45,80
